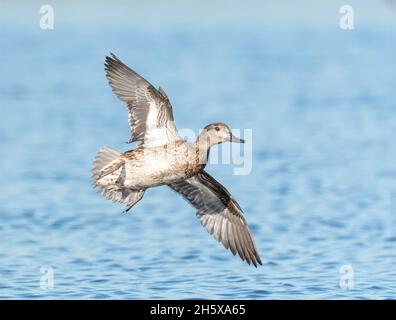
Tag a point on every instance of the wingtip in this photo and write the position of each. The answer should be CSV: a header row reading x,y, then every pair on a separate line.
x,y
255,260
257,263
107,63
111,55
109,59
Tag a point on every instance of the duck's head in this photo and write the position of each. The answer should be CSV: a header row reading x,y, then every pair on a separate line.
x,y
216,133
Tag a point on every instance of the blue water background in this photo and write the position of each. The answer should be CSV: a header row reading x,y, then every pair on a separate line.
x,y
321,103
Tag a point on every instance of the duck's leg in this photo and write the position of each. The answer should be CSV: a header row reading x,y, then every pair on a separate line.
x,y
133,198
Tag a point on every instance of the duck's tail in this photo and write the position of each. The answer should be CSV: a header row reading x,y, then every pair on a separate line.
x,y
102,159
101,168
104,165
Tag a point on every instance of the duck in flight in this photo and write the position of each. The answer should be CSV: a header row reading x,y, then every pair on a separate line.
x,y
164,158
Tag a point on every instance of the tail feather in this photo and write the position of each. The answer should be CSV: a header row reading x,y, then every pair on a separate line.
x,y
113,192
102,159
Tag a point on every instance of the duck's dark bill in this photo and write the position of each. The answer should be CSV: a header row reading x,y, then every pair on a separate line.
x,y
235,139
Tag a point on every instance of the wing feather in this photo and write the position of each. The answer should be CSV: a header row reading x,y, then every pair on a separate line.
x,y
150,113
220,214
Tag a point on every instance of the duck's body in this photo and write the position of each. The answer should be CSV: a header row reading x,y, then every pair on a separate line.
x,y
163,158
143,168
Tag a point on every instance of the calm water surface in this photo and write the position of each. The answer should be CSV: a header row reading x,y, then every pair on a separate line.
x,y
321,193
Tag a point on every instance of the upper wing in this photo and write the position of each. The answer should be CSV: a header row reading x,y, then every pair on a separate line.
x,y
150,112
220,214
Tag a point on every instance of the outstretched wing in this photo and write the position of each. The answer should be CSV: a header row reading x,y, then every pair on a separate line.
x,y
220,214
150,112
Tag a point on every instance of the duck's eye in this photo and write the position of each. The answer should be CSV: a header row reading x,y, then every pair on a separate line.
x,y
217,128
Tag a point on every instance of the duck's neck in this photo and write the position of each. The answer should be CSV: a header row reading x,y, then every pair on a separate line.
x,y
202,147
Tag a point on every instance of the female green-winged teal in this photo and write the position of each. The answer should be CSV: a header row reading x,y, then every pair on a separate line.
x,y
164,158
